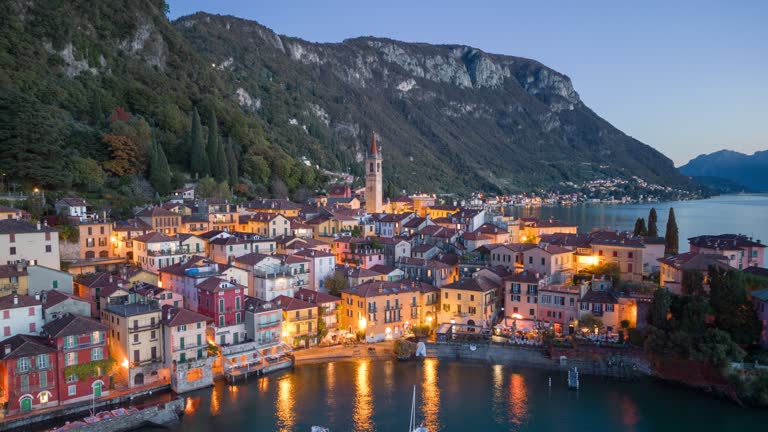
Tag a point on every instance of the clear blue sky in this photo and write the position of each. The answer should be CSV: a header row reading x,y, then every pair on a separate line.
x,y
686,77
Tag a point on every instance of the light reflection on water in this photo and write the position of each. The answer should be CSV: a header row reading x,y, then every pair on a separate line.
x,y
363,408
518,399
430,396
330,390
286,404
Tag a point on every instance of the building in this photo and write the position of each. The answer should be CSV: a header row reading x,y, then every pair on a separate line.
x,y
300,321
135,341
555,262
153,251
386,310
328,308
74,207
183,278
57,304
163,297
742,251
432,272
621,249
43,279
28,374
472,301
374,183
185,344
37,244
81,345
521,294
161,220
674,267
558,306
9,212
277,206
222,302
20,314
321,265
271,276
531,229
14,279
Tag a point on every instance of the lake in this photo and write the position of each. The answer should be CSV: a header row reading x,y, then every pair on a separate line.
x,y
369,395
736,214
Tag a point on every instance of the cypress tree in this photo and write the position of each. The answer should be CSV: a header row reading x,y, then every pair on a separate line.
x,y
671,237
222,165
198,158
213,146
653,230
160,173
640,227
234,175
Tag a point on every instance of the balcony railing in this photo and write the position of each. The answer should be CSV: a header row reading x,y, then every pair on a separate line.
x,y
268,324
393,308
146,361
166,252
36,388
189,347
85,345
134,329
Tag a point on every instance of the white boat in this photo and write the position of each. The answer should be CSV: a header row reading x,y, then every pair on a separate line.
x,y
413,427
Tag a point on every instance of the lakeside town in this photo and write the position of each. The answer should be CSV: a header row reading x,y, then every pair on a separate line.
x,y
199,289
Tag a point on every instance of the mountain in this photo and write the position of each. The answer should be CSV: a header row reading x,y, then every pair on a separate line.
x,y
86,86
748,171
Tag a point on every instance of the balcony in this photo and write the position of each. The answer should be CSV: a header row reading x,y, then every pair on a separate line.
x,y
189,347
146,362
88,345
268,325
36,388
135,329
393,308
166,252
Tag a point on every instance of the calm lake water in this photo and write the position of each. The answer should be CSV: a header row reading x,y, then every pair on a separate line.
x,y
736,214
368,395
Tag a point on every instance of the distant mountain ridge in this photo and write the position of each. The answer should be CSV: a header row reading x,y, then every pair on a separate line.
x,y
748,171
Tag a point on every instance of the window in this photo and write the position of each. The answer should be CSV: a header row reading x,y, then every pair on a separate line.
x,y
629,267
221,305
543,261
70,359
13,251
72,378
458,296
615,253
97,354
72,390
532,312
221,320
43,378
6,331
96,337
48,248
12,238
6,314
530,260
135,338
23,364
25,383
630,254
600,252
42,361
32,328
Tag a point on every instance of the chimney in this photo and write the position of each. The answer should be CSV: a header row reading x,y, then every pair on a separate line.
x,y
7,349
169,314
15,299
37,296
38,226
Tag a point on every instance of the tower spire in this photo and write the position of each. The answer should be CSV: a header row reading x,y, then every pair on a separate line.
x,y
374,147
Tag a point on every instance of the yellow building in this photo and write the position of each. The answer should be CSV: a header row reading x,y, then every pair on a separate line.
x,y
13,279
136,341
624,251
300,319
441,211
386,310
277,206
469,301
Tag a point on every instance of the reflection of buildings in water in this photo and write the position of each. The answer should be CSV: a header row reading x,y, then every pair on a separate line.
x,y
389,378
518,399
430,395
628,412
363,410
216,399
286,401
498,404
191,405
263,384
330,391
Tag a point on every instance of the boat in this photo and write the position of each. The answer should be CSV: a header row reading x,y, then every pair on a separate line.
x,y
413,427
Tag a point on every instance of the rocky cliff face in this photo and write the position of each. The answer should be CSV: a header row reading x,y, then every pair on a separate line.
x,y
450,116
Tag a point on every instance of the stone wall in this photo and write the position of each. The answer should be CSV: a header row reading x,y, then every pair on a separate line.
x,y
157,415
180,371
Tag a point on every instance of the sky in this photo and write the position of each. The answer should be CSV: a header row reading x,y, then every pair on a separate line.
x,y
686,77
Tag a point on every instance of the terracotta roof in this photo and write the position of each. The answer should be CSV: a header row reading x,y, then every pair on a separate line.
x,y
6,209
272,204
16,226
154,237
210,234
479,284
383,269
73,325
175,316
7,302
11,270
724,241
383,288
291,304
54,297
252,258
25,346
214,284
180,268
131,309
428,263
356,272
257,305
132,225
567,240
605,297
73,202
313,253
156,212
315,297
524,277
614,238
489,228
695,261
555,250
97,280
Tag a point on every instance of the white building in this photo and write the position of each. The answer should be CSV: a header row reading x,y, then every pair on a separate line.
x,y
321,265
38,244
20,314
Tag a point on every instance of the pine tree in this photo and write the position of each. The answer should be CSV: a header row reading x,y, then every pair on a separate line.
x,y
213,146
671,237
653,230
234,175
198,158
640,227
222,165
159,172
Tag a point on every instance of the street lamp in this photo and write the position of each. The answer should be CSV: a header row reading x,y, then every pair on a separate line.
x,y
362,323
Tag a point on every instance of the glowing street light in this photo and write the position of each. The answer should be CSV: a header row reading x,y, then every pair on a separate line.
x,y
362,323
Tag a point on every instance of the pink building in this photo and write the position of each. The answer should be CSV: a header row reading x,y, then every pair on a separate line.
x,y
673,267
742,251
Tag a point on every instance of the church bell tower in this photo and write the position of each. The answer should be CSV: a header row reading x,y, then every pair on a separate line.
x,y
374,183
